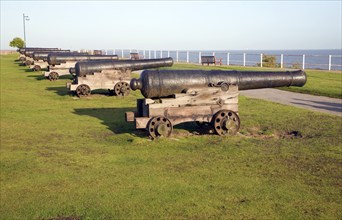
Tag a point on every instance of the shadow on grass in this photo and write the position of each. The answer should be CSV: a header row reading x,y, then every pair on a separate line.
x,y
195,129
113,118
59,90
27,70
102,92
38,77
63,91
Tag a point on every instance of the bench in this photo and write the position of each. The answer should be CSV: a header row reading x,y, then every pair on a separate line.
x,y
135,56
97,52
210,60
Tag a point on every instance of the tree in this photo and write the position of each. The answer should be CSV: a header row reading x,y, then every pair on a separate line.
x,y
17,42
269,61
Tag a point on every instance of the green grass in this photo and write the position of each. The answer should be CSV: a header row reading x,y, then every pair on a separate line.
x,y
323,83
67,157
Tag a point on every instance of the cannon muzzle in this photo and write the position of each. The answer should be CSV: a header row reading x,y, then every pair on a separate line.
x,y
163,83
63,58
89,67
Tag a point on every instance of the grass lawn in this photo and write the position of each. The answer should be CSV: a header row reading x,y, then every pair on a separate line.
x,y
67,157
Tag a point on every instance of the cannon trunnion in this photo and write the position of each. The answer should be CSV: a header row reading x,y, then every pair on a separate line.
x,y
209,98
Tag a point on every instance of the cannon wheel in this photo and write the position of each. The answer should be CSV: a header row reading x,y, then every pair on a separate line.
x,y
226,122
53,76
28,63
22,59
122,89
159,127
37,68
83,90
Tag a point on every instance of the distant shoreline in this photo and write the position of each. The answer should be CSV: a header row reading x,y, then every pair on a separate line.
x,y
4,52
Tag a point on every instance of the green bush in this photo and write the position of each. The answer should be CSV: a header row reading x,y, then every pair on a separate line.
x,y
269,61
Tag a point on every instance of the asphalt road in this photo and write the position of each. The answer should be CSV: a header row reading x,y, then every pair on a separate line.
x,y
311,102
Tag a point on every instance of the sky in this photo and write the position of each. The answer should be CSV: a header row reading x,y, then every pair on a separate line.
x,y
174,25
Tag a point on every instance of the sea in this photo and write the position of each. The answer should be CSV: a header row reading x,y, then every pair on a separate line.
x,y
313,59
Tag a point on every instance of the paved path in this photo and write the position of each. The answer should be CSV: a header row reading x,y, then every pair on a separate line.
x,y
315,103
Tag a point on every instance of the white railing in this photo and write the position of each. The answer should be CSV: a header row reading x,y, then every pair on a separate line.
x,y
298,61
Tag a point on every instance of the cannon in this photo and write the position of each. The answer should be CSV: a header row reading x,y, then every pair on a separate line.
x,y
40,58
22,57
113,75
29,55
42,55
209,98
22,50
59,65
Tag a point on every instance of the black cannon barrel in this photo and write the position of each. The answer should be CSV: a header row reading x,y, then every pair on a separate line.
x,y
163,83
30,53
22,50
44,55
89,67
63,58
40,55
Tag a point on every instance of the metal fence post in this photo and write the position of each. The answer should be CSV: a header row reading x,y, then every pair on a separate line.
x,y
244,59
149,54
161,54
329,62
261,60
144,54
303,61
199,57
281,60
122,53
187,56
155,54
228,59
177,56
168,53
